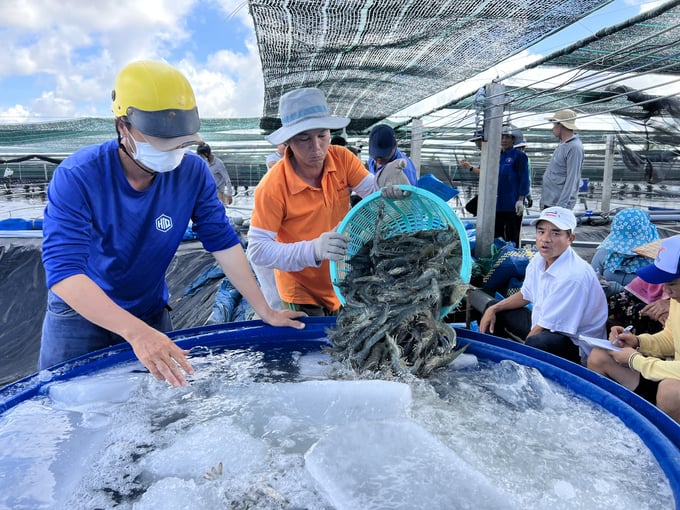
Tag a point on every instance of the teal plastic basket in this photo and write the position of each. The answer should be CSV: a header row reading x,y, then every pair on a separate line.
x,y
421,210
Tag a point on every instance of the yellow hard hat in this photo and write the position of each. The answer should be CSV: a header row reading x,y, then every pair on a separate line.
x,y
157,100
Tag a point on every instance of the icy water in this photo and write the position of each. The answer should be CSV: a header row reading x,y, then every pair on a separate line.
x,y
290,434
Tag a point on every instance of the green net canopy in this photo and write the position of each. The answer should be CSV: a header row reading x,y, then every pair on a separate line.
x,y
375,57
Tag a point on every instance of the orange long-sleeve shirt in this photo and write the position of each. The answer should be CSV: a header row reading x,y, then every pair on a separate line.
x,y
296,211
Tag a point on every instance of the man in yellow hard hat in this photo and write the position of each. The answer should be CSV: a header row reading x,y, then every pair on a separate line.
x,y
115,217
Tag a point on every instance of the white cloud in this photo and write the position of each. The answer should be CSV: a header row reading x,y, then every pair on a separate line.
x,y
48,106
231,85
645,6
62,56
16,114
59,59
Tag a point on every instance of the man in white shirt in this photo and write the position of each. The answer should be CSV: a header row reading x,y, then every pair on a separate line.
x,y
566,296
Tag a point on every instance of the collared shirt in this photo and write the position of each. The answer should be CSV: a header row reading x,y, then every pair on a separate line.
x,y
562,178
567,297
513,179
289,214
409,171
221,176
660,352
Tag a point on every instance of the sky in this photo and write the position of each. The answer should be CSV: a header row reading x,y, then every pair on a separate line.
x,y
60,58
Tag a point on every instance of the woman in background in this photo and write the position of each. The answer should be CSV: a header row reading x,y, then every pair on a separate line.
x,y
615,262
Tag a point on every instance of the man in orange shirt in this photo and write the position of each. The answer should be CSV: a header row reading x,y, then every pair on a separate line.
x,y
300,202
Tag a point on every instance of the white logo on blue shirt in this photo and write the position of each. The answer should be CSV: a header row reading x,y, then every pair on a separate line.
x,y
163,223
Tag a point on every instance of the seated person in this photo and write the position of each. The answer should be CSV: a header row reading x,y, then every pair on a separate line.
x,y
643,305
657,310
615,262
649,364
566,295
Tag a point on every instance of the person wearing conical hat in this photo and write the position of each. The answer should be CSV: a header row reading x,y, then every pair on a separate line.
x,y
562,177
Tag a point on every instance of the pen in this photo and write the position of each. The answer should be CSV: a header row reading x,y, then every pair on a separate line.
x,y
618,342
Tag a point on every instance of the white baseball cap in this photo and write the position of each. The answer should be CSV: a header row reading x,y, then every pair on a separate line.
x,y
562,218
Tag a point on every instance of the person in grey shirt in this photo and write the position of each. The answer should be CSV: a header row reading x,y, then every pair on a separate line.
x,y
562,178
275,157
225,190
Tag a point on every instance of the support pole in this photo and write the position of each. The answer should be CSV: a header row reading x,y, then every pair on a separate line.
x,y
488,177
607,175
416,143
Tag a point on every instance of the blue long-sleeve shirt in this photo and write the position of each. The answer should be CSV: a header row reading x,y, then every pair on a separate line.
x,y
410,170
96,224
513,179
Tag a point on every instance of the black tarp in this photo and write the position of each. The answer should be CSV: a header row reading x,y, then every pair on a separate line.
x,y
23,298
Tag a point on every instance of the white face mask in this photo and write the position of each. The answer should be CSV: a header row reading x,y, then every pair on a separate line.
x,y
158,161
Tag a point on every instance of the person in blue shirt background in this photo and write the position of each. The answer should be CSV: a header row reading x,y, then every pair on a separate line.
x,y
115,216
513,186
382,149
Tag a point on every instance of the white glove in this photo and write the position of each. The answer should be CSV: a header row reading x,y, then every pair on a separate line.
x,y
394,192
519,207
393,173
331,246
390,177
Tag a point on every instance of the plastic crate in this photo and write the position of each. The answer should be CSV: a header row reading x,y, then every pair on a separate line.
x,y
421,210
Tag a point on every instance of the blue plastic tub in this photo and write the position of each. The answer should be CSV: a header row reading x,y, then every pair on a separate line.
x,y
658,432
439,188
21,224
